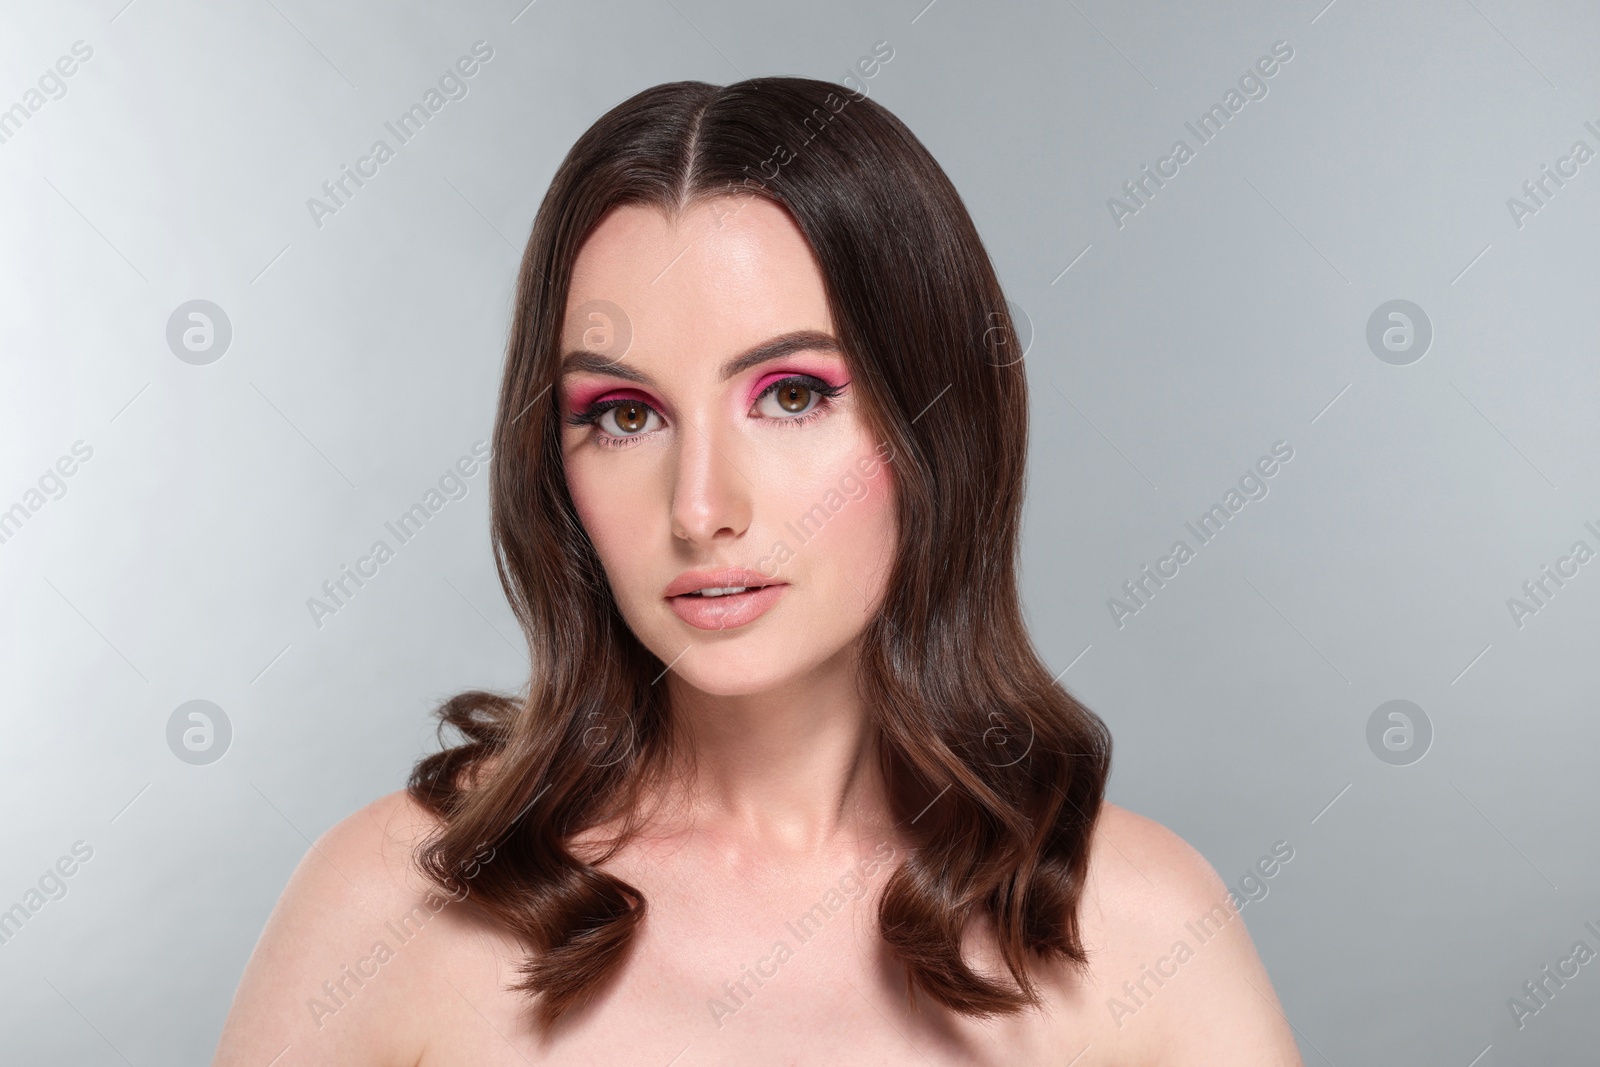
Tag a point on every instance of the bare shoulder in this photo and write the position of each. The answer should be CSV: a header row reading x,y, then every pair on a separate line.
x,y
1175,973
327,977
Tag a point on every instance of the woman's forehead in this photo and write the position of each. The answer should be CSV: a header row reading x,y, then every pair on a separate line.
x,y
743,248
727,271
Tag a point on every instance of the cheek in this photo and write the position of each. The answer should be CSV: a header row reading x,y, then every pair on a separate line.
x,y
856,544
580,487
607,503
873,533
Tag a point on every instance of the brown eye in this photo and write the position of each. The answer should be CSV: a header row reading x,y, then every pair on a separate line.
x,y
798,395
631,417
793,397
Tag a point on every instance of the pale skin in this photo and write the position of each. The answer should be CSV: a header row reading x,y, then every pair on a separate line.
x,y
784,804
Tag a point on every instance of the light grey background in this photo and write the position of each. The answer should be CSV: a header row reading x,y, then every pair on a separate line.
x,y
1229,313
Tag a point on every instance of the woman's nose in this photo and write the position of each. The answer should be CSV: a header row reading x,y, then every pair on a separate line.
x,y
711,497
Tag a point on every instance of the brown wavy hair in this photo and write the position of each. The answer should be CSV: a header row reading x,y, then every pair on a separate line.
x,y
995,772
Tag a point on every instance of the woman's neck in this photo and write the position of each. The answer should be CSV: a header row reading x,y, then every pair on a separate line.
x,y
794,769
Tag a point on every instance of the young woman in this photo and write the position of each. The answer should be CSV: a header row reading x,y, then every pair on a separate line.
x,y
788,783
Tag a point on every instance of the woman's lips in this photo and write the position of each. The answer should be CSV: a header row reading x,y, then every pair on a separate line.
x,y
728,611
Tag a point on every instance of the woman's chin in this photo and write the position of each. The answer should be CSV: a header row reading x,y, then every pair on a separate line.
x,y
741,668
728,678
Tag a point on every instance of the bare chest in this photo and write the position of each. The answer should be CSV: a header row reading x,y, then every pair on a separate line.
x,y
744,970
772,998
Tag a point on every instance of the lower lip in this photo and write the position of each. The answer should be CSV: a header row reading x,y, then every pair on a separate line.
x,y
726,612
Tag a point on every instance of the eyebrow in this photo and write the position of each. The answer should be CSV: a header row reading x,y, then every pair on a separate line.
x,y
579,361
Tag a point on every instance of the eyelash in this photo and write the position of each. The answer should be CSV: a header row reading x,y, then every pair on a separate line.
x,y
591,415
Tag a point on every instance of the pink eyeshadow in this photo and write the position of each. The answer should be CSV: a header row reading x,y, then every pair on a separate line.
x,y
583,397
833,378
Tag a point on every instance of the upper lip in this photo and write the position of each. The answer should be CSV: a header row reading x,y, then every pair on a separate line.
x,y
694,581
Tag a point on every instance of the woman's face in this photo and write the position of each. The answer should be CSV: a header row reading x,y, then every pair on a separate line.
x,y
713,440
